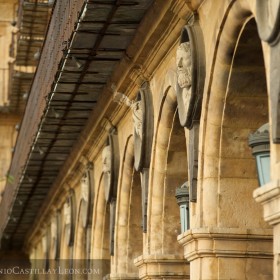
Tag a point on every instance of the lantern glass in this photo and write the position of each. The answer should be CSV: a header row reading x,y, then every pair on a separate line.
x,y
184,217
263,166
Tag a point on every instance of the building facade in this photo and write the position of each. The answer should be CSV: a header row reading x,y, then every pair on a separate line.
x,y
133,150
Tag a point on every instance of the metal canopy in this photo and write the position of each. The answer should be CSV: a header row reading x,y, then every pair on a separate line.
x,y
34,17
101,36
19,90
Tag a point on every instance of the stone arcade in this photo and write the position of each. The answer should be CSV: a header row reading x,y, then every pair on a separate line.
x,y
131,101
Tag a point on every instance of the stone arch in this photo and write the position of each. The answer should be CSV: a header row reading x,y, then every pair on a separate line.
x,y
80,238
100,225
229,94
68,232
84,221
128,232
246,96
230,223
163,214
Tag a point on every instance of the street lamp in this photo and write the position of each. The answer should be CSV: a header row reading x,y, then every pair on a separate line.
x,y
259,142
182,196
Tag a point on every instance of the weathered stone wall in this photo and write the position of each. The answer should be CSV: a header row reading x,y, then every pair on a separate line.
x,y
228,238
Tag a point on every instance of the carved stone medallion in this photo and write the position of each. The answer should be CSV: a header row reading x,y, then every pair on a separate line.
x,y
69,217
143,129
85,199
110,161
139,125
268,22
54,237
190,64
268,19
142,116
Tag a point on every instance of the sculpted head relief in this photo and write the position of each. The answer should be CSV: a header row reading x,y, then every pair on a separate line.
x,y
184,71
67,213
137,112
85,188
137,116
107,160
183,62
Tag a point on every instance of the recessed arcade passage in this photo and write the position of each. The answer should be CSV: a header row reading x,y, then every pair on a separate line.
x,y
234,241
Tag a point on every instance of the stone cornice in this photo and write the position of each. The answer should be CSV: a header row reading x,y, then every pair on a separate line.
x,y
269,196
162,266
161,26
127,276
227,242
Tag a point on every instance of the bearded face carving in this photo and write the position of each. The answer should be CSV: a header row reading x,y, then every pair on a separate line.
x,y
107,160
184,72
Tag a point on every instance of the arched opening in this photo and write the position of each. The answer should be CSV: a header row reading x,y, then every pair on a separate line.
x,y
129,236
246,109
68,233
175,175
237,106
100,250
168,171
80,243
84,224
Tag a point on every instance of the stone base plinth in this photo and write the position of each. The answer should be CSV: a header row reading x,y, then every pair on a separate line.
x,y
162,267
228,253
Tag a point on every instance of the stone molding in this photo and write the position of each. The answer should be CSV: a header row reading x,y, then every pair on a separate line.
x,y
269,196
122,276
227,242
162,267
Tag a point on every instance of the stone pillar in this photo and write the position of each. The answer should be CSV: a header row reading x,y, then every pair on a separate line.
x,y
269,196
154,267
228,253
